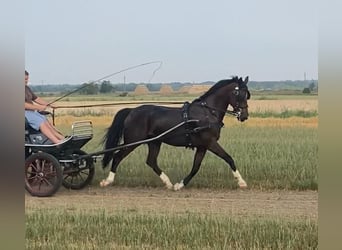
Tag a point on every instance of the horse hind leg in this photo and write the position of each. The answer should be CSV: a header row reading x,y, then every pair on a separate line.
x,y
153,152
199,155
219,151
118,157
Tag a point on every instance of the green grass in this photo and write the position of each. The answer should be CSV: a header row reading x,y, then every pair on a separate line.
x,y
62,229
286,113
267,158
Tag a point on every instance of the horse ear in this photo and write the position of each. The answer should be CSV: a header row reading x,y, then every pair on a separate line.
x,y
246,80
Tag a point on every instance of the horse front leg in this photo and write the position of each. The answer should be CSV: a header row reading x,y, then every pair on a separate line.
x,y
153,152
220,152
199,155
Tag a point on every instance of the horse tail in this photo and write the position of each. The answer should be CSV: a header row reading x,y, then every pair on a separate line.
x,y
114,134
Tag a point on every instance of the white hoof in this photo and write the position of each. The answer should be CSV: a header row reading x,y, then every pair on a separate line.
x,y
242,184
109,180
165,179
105,183
178,186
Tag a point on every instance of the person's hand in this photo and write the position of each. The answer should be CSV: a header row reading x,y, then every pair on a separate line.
x,y
41,107
52,106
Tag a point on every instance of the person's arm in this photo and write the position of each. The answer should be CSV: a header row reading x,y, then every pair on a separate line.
x,y
38,107
43,102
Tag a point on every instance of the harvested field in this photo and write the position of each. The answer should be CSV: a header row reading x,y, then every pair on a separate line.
x,y
254,106
283,204
138,213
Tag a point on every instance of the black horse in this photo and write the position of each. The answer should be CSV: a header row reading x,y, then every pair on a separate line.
x,y
196,125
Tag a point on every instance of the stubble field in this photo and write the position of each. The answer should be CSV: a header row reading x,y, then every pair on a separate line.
x,y
276,156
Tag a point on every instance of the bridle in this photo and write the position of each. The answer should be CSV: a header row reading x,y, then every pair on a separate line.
x,y
240,97
235,112
237,108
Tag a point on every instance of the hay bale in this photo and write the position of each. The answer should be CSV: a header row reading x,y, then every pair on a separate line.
x,y
165,89
199,89
184,89
141,90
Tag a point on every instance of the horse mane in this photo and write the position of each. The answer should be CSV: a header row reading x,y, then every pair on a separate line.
x,y
218,85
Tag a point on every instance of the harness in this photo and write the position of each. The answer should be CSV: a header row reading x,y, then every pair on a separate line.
x,y
214,111
190,130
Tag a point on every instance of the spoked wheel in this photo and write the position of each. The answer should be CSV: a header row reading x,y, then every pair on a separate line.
x,y
78,174
43,174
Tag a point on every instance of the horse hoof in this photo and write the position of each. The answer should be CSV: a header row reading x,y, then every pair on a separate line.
x,y
104,183
243,185
178,186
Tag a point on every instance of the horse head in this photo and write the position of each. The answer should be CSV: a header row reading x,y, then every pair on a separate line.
x,y
239,98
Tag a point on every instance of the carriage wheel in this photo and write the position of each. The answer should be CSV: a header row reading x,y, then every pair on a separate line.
x,y
43,174
80,174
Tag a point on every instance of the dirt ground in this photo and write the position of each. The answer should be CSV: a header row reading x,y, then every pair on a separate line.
x,y
277,203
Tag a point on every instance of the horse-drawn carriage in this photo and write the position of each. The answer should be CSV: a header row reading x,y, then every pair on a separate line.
x,y
48,166
195,125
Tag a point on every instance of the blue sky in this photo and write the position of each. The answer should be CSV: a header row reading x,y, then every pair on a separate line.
x,y
80,41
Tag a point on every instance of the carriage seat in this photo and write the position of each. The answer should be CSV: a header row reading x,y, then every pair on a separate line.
x,y
33,136
29,129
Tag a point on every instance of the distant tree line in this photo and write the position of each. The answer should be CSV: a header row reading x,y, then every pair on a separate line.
x,y
311,88
108,87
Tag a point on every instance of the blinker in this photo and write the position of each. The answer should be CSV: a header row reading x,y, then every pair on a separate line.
x,y
236,91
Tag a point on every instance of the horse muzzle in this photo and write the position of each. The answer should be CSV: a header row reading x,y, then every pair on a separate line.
x,y
242,115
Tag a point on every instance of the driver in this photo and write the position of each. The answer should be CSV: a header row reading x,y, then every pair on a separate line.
x,y
37,121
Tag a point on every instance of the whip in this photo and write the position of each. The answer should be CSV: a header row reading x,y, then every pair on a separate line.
x,y
107,76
